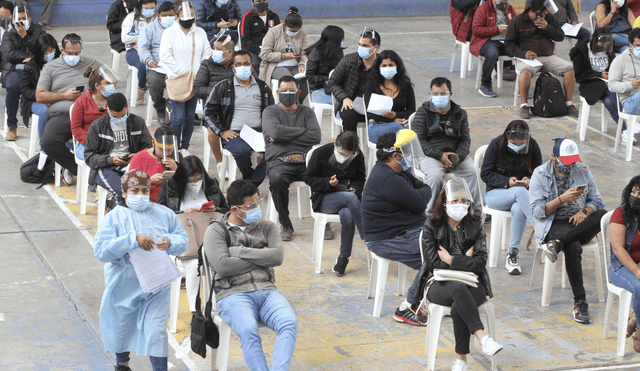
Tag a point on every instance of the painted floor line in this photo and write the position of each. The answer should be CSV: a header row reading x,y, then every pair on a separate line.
x,y
602,368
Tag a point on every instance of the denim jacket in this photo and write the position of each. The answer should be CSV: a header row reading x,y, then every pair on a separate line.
x,y
543,189
632,226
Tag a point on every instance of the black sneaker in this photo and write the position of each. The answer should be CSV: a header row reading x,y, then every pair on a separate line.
x,y
341,265
328,233
122,368
581,312
411,316
112,201
552,249
44,26
286,232
512,264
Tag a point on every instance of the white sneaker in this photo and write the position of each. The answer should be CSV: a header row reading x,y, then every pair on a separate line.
x,y
512,263
490,347
459,365
184,152
68,177
219,169
624,137
636,128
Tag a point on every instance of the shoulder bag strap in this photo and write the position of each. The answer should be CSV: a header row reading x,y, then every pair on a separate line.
x,y
207,309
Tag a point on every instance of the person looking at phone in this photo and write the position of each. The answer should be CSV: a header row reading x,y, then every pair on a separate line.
x,y
567,209
111,142
132,24
442,127
216,15
508,164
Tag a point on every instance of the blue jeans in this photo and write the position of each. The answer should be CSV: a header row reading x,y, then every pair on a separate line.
x,y
347,205
516,200
491,50
80,151
610,103
243,311
13,83
319,96
184,116
376,129
627,280
134,60
242,154
157,363
621,41
42,110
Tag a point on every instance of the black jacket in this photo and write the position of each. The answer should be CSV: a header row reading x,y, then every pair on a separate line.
x,y
208,76
319,171
318,71
115,16
170,198
98,146
496,172
15,49
30,77
345,79
591,87
436,138
252,29
404,104
523,35
218,111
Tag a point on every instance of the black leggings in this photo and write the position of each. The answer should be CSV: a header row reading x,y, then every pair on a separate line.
x,y
57,132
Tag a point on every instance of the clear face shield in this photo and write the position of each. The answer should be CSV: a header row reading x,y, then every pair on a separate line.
x,y
108,74
457,191
167,146
549,4
186,11
340,158
604,44
518,141
368,33
221,37
409,145
20,15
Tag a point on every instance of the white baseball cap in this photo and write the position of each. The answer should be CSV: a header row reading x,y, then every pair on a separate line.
x,y
567,151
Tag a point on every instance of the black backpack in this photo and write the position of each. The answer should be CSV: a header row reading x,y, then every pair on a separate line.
x,y
548,97
29,172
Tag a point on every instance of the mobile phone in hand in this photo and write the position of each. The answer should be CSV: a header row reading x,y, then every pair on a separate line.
x,y
520,182
168,174
454,159
126,158
205,206
581,188
80,88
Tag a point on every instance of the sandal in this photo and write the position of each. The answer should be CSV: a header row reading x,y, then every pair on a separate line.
x,y
632,323
636,340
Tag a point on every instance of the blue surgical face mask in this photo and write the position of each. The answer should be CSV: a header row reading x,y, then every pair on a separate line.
x,y
515,148
49,57
440,101
167,22
636,51
564,169
148,13
388,72
243,73
406,163
108,90
138,202
217,56
72,60
222,2
26,24
119,121
363,52
252,216
342,44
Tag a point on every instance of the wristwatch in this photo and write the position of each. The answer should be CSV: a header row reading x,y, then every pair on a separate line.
x,y
585,211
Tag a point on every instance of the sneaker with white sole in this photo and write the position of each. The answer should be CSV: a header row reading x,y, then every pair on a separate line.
x,y
412,316
581,312
485,90
489,346
512,264
459,365
624,137
636,128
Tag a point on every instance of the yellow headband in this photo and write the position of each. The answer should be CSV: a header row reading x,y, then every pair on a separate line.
x,y
167,146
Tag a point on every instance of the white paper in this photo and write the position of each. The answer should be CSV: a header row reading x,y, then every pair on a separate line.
x,y
253,138
530,62
380,104
155,269
358,105
300,75
570,30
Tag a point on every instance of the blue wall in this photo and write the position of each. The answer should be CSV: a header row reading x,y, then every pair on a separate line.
x,y
93,12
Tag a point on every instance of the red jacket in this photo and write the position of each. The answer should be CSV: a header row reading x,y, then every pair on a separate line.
x,y
461,23
484,25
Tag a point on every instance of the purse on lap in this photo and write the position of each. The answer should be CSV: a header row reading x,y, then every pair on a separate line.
x,y
468,278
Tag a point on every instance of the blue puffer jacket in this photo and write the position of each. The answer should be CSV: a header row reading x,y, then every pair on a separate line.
x,y
210,14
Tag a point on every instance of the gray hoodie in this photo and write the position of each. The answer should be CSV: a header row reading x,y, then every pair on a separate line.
x,y
624,68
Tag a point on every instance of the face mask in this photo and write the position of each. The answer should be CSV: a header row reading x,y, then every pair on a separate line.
x,y
108,90
405,163
339,157
440,101
634,203
138,202
388,72
218,56
148,13
363,52
195,187
342,44
457,211
620,3
49,57
119,121
72,60
261,7
186,23
515,148
252,216
288,99
562,168
26,24
167,22
502,6
291,33
222,2
4,23
636,51
243,73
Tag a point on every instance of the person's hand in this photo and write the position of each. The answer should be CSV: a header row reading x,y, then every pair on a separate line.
x,y
170,164
211,208
223,24
574,23
636,83
153,64
614,6
571,195
232,22
530,55
144,242
605,75
228,135
72,94
347,103
192,210
289,55
20,29
134,46
389,115
301,68
399,121
157,178
26,60
542,23
118,161
333,181
164,244
577,218
445,159
271,140
503,29
526,182
444,255
512,182
469,252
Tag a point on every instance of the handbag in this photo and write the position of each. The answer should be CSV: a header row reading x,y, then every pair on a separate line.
x,y
180,88
195,224
468,278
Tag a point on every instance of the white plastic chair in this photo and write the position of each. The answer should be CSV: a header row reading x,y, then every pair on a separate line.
x,y
274,91
624,301
33,137
500,220
318,108
631,125
82,186
132,84
271,209
103,193
149,111
592,21
115,56
500,70
378,281
466,58
583,118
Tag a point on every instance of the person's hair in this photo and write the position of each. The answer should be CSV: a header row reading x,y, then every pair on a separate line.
x,y
239,53
400,79
329,46
293,19
138,11
44,41
523,161
629,213
240,189
94,78
22,9
372,35
537,5
439,214
624,11
230,45
439,81
116,102
72,39
348,140
634,34
597,33
7,5
161,131
187,167
287,78
166,6
386,140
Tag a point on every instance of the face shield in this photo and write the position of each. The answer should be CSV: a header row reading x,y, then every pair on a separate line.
x,y
549,4
457,191
221,37
518,141
409,145
20,15
604,44
340,158
186,11
501,5
166,145
108,74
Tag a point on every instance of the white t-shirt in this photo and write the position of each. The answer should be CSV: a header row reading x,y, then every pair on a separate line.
x,y
599,61
192,200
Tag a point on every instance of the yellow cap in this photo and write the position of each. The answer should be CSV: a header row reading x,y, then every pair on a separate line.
x,y
404,137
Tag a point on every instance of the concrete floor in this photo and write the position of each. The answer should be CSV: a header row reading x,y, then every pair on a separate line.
x,y
52,285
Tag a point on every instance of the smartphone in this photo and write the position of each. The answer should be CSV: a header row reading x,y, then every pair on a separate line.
x,y
453,159
80,88
205,206
168,174
126,158
520,182
581,187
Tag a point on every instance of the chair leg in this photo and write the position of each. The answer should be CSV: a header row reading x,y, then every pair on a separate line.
x,y
174,306
596,257
603,119
381,281
207,149
623,315
534,269
373,271
436,312
500,73
464,60
58,170
479,73
318,241
607,315
402,280
494,242
453,57
134,87
149,110
547,282
273,213
565,276
223,349
491,324
84,185
583,120
515,92
298,191
630,130
618,134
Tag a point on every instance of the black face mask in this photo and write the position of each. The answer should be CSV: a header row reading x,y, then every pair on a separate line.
x,y
186,23
502,6
634,203
261,7
288,99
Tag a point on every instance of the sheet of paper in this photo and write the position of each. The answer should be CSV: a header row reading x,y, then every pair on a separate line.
x,y
570,30
155,269
380,104
530,62
300,75
358,105
253,138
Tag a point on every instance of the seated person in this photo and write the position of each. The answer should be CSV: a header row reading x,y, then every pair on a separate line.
x,y
158,159
566,14
322,58
567,209
57,88
489,30
188,189
111,142
454,239
393,204
615,16
531,35
442,127
236,102
217,15
255,25
92,105
290,130
462,13
336,176
506,170
349,79
17,49
624,80
116,14
389,78
242,251
591,62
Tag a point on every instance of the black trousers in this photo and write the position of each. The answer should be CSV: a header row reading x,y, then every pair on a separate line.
x,y
156,83
57,132
572,238
464,302
350,119
281,175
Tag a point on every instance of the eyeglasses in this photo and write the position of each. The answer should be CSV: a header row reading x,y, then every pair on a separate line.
x,y
195,180
151,7
250,206
245,64
287,91
462,201
440,93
